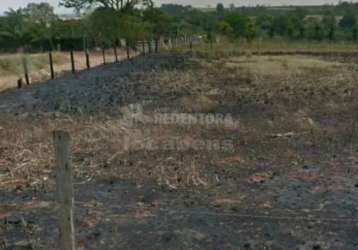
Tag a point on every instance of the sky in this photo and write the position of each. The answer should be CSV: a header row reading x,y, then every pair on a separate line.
x,y
6,4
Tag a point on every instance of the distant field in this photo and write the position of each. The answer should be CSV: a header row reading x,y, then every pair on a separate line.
x,y
280,45
11,67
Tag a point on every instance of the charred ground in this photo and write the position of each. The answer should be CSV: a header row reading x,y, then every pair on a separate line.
x,y
289,181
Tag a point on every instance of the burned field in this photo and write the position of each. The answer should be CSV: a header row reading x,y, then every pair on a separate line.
x,y
276,168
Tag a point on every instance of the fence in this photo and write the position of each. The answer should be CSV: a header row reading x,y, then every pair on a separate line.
x,y
45,66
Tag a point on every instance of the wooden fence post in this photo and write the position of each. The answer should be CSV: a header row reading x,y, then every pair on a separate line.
x,y
170,42
143,48
88,60
19,83
64,190
115,53
73,68
51,65
156,45
104,55
149,47
26,70
128,50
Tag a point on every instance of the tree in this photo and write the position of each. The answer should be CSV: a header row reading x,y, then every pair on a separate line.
x,y
210,37
132,29
314,28
263,22
355,33
14,28
318,32
298,20
159,24
225,29
220,8
238,23
300,13
71,29
282,25
330,24
296,27
104,25
158,20
349,20
110,4
232,7
250,31
40,20
40,12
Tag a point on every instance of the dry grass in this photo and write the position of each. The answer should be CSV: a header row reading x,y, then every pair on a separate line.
x,y
282,65
26,152
281,83
228,48
11,65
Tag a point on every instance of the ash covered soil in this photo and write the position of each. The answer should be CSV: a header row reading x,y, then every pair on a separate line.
x,y
280,172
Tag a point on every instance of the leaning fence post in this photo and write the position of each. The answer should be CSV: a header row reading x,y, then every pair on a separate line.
x,y
51,65
64,190
26,70
73,68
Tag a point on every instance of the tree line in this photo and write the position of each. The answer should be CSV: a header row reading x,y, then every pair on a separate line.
x,y
296,24
104,23
326,22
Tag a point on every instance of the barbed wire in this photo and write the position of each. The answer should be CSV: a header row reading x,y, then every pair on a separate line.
x,y
268,216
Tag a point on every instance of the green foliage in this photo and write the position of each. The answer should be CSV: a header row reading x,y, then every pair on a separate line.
x,y
329,23
124,5
290,26
133,29
240,26
250,33
349,20
220,8
158,21
37,27
355,33
104,26
197,20
42,13
264,23
14,27
70,29
225,28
